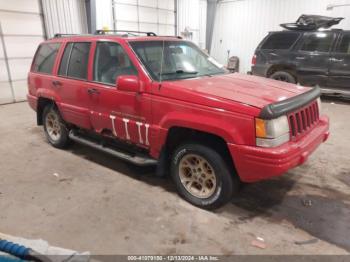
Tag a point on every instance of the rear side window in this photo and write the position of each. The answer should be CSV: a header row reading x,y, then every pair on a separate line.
x,y
280,41
45,58
75,59
344,46
317,42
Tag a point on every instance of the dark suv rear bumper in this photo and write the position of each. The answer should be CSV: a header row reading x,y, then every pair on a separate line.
x,y
259,70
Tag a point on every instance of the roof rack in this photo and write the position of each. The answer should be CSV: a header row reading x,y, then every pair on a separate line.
x,y
173,36
312,22
128,32
63,35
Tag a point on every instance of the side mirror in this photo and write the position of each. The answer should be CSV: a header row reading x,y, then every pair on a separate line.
x,y
128,83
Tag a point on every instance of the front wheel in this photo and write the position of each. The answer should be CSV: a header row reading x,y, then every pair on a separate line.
x,y
55,128
202,176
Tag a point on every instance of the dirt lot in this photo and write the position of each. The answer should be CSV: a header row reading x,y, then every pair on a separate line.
x,y
88,201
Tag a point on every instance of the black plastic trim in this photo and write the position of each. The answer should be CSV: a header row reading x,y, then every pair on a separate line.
x,y
289,105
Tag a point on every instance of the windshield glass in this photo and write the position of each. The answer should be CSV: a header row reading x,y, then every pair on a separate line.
x,y
181,60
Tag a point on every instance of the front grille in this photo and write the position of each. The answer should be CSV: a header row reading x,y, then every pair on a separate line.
x,y
303,120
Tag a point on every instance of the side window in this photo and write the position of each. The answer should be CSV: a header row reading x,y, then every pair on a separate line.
x,y
280,41
111,61
74,62
64,61
344,46
45,58
317,42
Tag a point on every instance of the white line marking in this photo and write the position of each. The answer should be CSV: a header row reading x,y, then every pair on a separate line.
x,y
126,121
114,131
147,126
139,124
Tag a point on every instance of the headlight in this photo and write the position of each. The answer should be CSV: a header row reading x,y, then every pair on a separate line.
x,y
271,133
319,105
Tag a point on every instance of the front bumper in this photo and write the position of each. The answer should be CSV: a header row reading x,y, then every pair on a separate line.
x,y
256,163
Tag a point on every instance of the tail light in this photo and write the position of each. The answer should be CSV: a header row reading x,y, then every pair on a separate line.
x,y
254,60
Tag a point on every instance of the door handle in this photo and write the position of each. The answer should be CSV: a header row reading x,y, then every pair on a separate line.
x,y
93,91
300,57
56,83
337,60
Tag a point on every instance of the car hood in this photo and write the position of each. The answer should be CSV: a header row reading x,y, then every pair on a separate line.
x,y
251,90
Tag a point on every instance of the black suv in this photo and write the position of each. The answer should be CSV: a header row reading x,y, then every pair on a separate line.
x,y
307,57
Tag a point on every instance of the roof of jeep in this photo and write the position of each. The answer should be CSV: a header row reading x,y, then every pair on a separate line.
x,y
77,38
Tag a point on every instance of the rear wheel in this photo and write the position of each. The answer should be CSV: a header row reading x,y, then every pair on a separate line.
x,y
55,128
283,76
202,176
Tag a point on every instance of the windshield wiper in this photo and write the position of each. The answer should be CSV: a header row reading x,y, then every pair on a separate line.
x,y
180,71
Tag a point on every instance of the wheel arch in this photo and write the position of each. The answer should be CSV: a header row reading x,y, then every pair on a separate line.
x,y
42,103
281,67
177,135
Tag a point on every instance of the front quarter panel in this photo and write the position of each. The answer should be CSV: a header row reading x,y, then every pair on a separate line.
x,y
233,127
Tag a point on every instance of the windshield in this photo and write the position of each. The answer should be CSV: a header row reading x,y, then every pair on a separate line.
x,y
181,60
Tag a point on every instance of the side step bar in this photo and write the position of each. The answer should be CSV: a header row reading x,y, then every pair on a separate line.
x,y
137,159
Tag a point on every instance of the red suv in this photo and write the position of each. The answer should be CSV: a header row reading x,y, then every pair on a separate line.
x,y
161,100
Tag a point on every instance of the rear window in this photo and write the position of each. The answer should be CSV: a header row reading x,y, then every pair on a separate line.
x,y
45,58
75,59
280,41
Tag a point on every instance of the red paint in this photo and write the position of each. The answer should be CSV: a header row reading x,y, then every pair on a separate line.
x,y
223,105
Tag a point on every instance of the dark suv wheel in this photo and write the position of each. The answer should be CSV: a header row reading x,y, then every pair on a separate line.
x,y
202,176
283,76
55,128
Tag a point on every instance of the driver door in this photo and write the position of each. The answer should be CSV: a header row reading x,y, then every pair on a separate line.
x,y
114,112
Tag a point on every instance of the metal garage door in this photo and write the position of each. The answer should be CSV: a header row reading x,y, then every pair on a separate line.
x,y
65,16
20,31
156,16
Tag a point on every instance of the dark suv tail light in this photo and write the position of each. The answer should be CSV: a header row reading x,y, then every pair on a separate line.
x,y
254,60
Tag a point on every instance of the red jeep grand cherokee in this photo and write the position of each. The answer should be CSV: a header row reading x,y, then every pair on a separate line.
x,y
161,100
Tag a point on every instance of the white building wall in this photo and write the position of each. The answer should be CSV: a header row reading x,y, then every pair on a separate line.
x,y
20,33
240,25
156,16
192,14
104,14
65,16
22,30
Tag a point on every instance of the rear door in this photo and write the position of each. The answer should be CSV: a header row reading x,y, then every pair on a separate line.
x,y
339,72
312,57
71,84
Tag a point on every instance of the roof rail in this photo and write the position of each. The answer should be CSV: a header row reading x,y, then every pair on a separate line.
x,y
102,32
63,35
173,36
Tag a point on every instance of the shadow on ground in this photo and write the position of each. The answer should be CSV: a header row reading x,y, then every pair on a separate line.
x,y
145,174
327,218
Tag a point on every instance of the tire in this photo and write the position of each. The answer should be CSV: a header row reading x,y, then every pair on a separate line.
x,y
284,77
212,183
55,128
